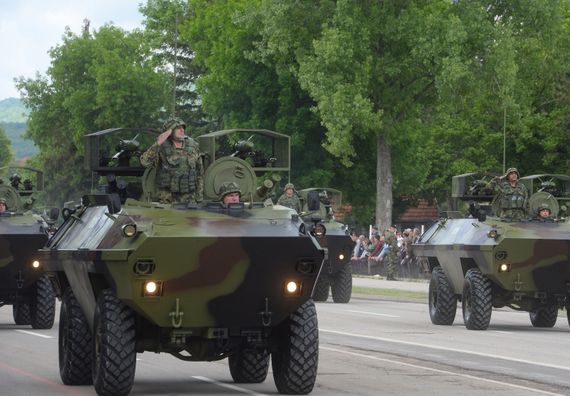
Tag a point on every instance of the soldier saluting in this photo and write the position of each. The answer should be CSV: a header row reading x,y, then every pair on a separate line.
x,y
179,169
511,195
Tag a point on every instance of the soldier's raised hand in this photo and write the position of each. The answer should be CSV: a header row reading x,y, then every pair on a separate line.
x,y
163,136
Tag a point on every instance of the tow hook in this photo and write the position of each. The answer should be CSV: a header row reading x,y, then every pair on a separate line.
x,y
518,283
266,315
20,280
176,315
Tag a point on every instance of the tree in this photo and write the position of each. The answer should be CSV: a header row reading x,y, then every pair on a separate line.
x,y
96,81
6,153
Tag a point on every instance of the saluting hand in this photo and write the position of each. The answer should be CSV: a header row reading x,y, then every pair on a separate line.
x,y
163,136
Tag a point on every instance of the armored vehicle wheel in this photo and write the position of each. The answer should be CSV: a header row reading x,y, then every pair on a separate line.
x,y
74,342
477,301
321,292
21,313
249,366
114,353
341,285
296,357
42,308
442,299
544,316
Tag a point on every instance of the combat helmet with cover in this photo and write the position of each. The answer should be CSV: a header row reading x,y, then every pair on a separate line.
x,y
542,207
289,185
228,188
511,170
172,123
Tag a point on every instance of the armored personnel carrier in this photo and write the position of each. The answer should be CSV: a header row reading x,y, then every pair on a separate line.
x,y
22,281
202,282
486,261
336,274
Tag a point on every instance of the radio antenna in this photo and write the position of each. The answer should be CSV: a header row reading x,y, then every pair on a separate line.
x,y
175,66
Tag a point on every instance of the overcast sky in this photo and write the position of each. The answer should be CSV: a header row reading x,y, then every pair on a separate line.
x,y
29,28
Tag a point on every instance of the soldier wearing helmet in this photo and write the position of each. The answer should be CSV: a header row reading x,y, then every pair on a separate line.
x,y
511,195
178,163
543,212
289,198
230,193
3,205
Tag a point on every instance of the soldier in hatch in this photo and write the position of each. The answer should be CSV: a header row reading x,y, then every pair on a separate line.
x,y
511,194
3,205
543,212
179,169
289,198
230,193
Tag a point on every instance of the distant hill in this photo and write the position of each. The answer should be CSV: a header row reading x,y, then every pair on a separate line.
x,y
13,118
12,110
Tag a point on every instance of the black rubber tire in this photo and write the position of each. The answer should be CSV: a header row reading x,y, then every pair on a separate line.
x,y
477,301
296,358
544,316
21,314
75,353
321,290
114,353
42,308
249,366
341,285
441,299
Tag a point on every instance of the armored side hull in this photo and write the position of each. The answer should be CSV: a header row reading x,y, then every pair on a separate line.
x,y
20,237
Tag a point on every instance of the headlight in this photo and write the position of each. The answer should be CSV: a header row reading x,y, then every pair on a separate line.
x,y
129,230
36,264
493,234
504,267
341,256
152,288
292,288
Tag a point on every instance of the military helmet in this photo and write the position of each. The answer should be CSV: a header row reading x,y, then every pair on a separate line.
x,y
172,123
289,185
3,201
543,206
228,188
511,170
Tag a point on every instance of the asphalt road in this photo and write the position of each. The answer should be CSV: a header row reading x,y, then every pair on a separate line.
x,y
370,346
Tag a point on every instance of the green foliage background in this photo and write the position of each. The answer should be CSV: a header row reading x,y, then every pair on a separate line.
x,y
439,82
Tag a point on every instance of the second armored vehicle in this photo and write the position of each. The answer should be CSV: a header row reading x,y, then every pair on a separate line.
x,y
22,282
486,261
202,282
336,274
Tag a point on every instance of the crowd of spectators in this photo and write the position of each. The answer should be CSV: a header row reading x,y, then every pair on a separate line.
x,y
371,253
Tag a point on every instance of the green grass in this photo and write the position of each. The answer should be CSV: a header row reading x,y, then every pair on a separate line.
x,y
389,292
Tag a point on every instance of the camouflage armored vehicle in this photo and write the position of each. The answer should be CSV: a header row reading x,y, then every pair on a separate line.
x,y
202,282
22,281
486,261
336,274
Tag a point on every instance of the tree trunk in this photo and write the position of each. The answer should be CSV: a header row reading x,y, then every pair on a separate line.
x,y
383,183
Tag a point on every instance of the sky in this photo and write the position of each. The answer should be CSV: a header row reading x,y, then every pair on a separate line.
x,y
29,28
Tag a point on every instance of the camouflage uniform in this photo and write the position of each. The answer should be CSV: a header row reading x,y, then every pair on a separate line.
x,y
512,199
392,253
179,174
292,201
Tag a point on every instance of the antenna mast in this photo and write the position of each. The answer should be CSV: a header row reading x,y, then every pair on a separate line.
x,y
175,66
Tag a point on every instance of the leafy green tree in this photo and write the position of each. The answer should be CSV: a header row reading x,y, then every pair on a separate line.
x,y
6,153
96,81
163,21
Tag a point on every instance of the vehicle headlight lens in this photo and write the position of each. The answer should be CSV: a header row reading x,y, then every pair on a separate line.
x,y
129,230
504,267
341,256
493,234
152,288
292,288
36,264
